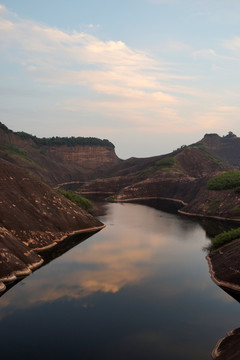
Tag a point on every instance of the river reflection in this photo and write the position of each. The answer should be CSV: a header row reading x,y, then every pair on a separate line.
x,y
139,289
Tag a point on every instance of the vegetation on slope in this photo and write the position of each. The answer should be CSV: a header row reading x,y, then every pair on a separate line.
x,y
77,199
15,152
210,156
225,181
166,164
69,141
224,238
56,140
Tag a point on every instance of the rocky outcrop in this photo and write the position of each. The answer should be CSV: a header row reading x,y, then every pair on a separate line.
x,y
226,148
224,265
89,157
34,217
228,348
16,260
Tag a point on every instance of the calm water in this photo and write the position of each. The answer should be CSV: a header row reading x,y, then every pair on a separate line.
x,y
139,289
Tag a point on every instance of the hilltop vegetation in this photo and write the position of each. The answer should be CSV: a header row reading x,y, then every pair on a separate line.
x,y
69,141
57,141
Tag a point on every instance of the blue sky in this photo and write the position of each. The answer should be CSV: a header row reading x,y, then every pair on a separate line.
x,y
149,75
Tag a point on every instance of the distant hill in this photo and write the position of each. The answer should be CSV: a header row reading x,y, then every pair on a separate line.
x,y
58,159
34,216
181,177
226,147
58,141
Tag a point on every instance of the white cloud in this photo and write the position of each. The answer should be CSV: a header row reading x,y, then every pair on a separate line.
x,y
129,81
211,54
233,44
110,79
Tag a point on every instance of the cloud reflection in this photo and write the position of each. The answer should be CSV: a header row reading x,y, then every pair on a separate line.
x,y
138,243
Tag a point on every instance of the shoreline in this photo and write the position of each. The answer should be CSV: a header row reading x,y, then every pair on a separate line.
x,y
221,283
208,216
151,197
18,274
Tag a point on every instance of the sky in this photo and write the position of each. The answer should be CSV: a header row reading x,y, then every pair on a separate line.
x,y
149,75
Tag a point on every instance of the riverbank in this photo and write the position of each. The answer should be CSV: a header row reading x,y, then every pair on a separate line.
x,y
19,266
228,347
224,268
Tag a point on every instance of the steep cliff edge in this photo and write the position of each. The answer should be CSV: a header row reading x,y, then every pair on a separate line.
x,y
58,160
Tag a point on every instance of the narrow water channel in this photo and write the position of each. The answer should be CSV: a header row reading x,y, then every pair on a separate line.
x,y
139,289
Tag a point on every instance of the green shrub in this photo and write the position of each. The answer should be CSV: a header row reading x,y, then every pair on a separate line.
x,y
167,161
227,180
69,141
14,151
77,199
224,238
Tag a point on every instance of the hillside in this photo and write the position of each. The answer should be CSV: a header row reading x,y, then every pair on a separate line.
x,y
57,160
226,148
181,176
36,217
33,217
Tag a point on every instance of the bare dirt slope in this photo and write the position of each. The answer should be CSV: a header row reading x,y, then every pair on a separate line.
x,y
33,216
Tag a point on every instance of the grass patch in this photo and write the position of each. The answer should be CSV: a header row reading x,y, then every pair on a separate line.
x,y
167,161
15,152
225,181
224,238
170,169
77,199
164,164
146,171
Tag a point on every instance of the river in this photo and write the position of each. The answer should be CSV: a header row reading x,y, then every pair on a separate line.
x,y
138,289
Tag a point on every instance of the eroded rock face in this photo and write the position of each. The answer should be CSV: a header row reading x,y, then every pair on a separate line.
x,y
33,217
229,347
16,260
59,163
91,157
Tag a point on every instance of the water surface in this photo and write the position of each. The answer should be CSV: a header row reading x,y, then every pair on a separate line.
x,y
139,289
